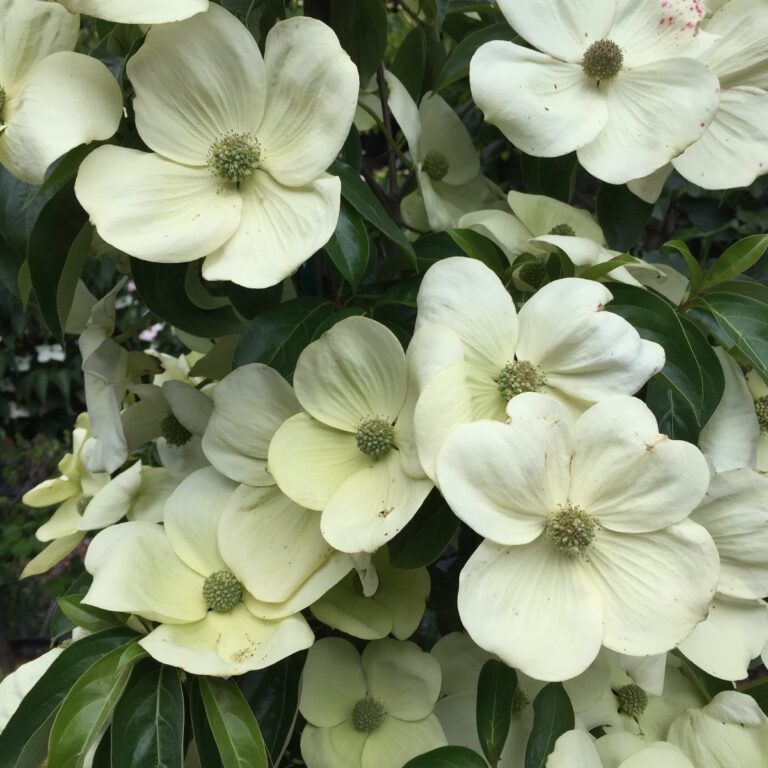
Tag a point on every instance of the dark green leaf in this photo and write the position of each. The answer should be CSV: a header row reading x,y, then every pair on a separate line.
x,y
695,272
552,717
234,726
622,216
674,415
457,65
336,317
348,248
596,271
204,742
496,687
411,61
479,247
362,30
744,320
66,168
60,624
88,706
51,247
86,616
707,685
736,259
40,704
746,287
273,695
161,287
70,274
356,192
148,722
758,690
426,536
550,176
277,337
447,757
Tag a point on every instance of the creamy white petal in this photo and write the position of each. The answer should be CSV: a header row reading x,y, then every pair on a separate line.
x,y
68,99
396,741
137,11
544,106
539,611
585,352
50,492
337,747
249,404
189,405
113,501
355,371
646,127
154,209
32,30
403,677
655,587
54,553
734,633
312,88
504,479
446,204
574,748
281,228
148,503
310,461
565,31
404,592
226,644
649,188
540,215
182,460
372,506
135,570
196,81
405,111
64,521
333,681
628,475
502,228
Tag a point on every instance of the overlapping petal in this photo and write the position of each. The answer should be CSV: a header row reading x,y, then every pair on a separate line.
x,y
137,11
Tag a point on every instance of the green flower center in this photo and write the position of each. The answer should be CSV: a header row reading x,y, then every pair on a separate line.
x,y
2,98
174,431
761,409
435,165
375,437
83,503
518,377
603,60
368,714
632,700
519,702
534,273
222,591
570,530
565,230
234,156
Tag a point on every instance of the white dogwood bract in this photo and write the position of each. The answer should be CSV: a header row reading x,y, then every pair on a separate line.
x,y
580,518
137,11
240,148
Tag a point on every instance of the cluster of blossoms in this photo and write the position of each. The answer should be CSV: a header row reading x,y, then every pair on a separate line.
x,y
236,519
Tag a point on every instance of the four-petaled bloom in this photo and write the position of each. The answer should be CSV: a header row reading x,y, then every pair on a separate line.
x,y
240,148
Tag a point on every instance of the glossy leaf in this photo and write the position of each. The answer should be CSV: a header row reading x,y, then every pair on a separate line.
x,y
736,259
362,30
447,757
695,273
457,65
277,337
37,709
478,247
552,717
87,616
496,688
597,271
233,724
621,215
148,722
205,744
550,176
426,536
88,706
349,248
410,62
673,414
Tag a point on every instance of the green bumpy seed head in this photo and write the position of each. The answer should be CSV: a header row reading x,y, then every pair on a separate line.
x,y
83,503
375,437
565,230
534,273
435,165
570,530
368,714
519,702
761,409
603,60
234,157
222,591
2,98
632,700
518,377
174,431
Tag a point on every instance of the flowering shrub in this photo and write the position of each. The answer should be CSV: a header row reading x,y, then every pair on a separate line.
x,y
463,462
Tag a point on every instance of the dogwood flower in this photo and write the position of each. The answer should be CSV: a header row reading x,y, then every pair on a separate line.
x,y
759,390
351,452
51,99
481,353
174,574
240,148
586,537
369,712
608,81
137,11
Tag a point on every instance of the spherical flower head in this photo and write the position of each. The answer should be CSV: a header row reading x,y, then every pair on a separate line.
x,y
375,437
174,431
565,230
603,60
761,409
520,376
222,591
368,714
632,700
234,156
435,165
571,530
534,273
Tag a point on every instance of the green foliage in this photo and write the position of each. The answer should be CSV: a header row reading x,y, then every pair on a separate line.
x,y
552,717
496,688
